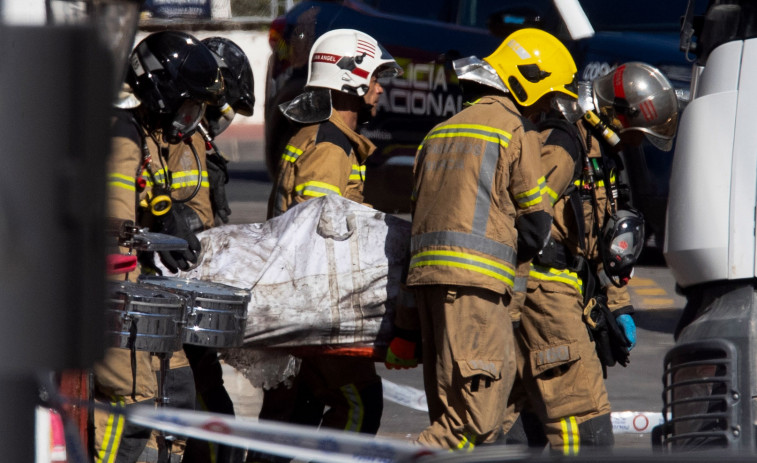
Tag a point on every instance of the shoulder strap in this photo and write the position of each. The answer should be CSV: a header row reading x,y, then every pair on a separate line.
x,y
565,134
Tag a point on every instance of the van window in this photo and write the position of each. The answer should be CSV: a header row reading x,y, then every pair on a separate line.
x,y
476,13
637,15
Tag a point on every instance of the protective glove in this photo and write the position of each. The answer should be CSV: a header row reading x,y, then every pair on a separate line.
x,y
218,177
626,323
178,222
401,354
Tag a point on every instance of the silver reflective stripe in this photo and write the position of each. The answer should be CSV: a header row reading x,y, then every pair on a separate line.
x,y
481,244
356,411
484,193
521,284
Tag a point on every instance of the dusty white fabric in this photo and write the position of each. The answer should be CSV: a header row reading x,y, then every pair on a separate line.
x,y
327,272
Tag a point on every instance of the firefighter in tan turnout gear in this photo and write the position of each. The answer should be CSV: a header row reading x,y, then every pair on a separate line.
x,y
125,377
327,156
579,278
477,211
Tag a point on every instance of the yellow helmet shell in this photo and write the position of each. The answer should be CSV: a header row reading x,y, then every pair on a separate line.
x,y
532,63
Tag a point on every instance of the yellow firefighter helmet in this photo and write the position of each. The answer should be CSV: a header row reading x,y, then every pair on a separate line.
x,y
532,63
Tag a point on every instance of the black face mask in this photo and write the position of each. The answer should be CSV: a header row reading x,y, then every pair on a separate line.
x,y
364,114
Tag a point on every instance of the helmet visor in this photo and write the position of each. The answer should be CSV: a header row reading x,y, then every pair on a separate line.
x,y
388,67
386,72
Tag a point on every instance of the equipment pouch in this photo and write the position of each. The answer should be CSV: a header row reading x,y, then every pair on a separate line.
x,y
554,255
479,374
611,344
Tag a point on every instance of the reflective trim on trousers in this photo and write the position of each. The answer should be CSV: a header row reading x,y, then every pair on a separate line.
x,y
113,433
468,442
570,436
356,411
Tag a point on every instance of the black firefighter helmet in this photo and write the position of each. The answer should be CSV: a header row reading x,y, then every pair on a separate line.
x,y
239,97
174,75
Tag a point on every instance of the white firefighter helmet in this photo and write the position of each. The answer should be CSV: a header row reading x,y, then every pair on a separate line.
x,y
346,59
637,96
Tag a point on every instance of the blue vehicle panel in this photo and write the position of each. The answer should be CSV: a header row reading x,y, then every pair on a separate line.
x,y
425,36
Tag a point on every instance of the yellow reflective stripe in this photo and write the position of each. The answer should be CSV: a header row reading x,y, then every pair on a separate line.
x,y
482,132
121,181
553,197
178,179
465,261
576,435
551,274
291,153
316,189
112,438
159,175
358,172
570,436
529,198
599,183
467,442
565,437
356,412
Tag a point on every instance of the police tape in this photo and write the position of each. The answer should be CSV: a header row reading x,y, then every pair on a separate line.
x,y
626,422
283,440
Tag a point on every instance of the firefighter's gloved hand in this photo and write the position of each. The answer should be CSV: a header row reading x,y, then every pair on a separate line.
x,y
218,177
179,222
626,323
401,354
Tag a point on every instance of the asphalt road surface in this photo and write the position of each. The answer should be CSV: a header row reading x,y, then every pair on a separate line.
x,y
637,387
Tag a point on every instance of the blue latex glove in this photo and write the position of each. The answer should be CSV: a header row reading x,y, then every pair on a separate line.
x,y
625,321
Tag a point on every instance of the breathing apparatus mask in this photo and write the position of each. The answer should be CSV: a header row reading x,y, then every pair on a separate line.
x,y
181,125
218,118
622,242
583,108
